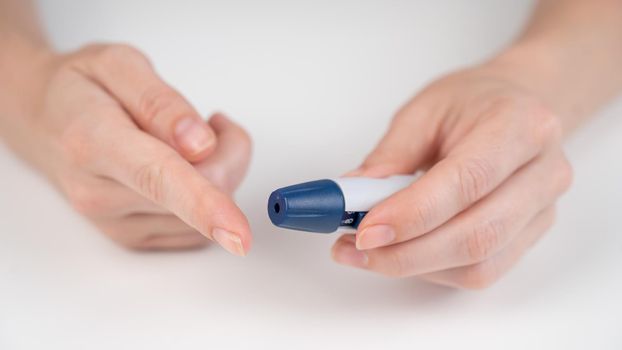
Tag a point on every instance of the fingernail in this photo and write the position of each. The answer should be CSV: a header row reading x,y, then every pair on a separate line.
x,y
192,135
375,236
230,241
347,254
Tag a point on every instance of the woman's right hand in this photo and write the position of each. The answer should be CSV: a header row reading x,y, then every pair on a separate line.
x,y
127,150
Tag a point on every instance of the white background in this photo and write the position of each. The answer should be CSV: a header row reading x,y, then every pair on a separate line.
x,y
316,83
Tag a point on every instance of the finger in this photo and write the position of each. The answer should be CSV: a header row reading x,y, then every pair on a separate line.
x,y
484,274
494,219
143,225
138,230
228,164
157,172
101,198
480,232
485,158
154,241
404,147
156,107
177,242
473,276
344,252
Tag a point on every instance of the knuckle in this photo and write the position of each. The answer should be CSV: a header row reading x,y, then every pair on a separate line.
x,y
474,178
93,48
421,105
119,53
545,126
150,178
84,200
483,240
479,276
90,51
77,145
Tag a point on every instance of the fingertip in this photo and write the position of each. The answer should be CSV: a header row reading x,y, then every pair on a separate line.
x,y
227,224
346,238
237,243
345,252
375,236
230,241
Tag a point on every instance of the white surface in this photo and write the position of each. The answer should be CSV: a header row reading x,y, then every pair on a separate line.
x,y
315,83
362,194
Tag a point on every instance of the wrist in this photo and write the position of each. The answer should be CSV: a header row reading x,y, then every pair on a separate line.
x,y
532,67
18,48
545,68
24,65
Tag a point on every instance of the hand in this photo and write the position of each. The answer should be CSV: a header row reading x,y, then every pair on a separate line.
x,y
494,170
120,143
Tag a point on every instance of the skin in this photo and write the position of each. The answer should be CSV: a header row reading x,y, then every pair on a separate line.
x,y
127,150
132,155
490,140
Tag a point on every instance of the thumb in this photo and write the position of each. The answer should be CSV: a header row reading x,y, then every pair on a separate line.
x,y
153,105
405,147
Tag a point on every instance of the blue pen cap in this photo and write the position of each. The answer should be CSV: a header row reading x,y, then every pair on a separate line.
x,y
315,206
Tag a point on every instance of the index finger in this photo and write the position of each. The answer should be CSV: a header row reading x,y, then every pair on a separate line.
x,y
472,169
156,171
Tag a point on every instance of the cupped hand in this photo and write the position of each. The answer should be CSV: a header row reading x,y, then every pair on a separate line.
x,y
133,155
494,168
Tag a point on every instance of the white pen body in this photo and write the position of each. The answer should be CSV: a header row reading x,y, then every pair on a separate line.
x,y
361,194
